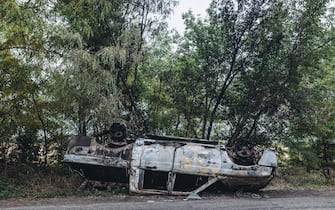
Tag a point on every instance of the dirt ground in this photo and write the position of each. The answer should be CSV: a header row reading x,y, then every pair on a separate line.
x,y
82,200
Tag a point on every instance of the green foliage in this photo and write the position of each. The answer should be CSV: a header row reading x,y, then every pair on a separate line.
x,y
241,68
303,154
296,178
51,182
101,77
27,148
21,26
9,191
315,117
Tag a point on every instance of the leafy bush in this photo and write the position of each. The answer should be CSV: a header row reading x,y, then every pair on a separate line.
x,y
9,191
295,177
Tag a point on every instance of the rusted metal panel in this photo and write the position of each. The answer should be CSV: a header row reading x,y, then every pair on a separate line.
x,y
157,157
197,159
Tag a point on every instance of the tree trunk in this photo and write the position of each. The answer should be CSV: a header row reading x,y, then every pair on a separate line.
x,y
82,127
205,119
46,144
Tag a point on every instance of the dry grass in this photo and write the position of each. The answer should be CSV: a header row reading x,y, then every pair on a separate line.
x,y
55,182
51,182
297,178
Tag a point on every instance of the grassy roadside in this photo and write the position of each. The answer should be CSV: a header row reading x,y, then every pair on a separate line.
x,y
47,190
63,183
51,182
295,178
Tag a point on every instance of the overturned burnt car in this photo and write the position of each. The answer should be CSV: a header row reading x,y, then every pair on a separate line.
x,y
169,165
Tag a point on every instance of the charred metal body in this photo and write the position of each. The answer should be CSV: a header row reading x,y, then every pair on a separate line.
x,y
171,165
99,162
177,165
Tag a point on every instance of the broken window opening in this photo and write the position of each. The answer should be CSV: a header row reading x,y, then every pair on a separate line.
x,y
188,183
101,173
155,180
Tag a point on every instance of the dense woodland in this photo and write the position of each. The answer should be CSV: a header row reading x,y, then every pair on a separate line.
x,y
262,70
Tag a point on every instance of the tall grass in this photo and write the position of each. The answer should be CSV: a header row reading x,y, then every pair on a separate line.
x,y
30,182
297,178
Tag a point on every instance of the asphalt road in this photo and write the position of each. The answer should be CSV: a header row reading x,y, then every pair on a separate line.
x,y
271,200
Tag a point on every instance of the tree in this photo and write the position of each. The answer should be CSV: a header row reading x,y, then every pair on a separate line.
x,y
252,55
313,126
21,47
103,66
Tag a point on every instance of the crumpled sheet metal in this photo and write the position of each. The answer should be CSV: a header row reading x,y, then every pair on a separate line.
x,y
171,159
194,159
96,160
97,154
